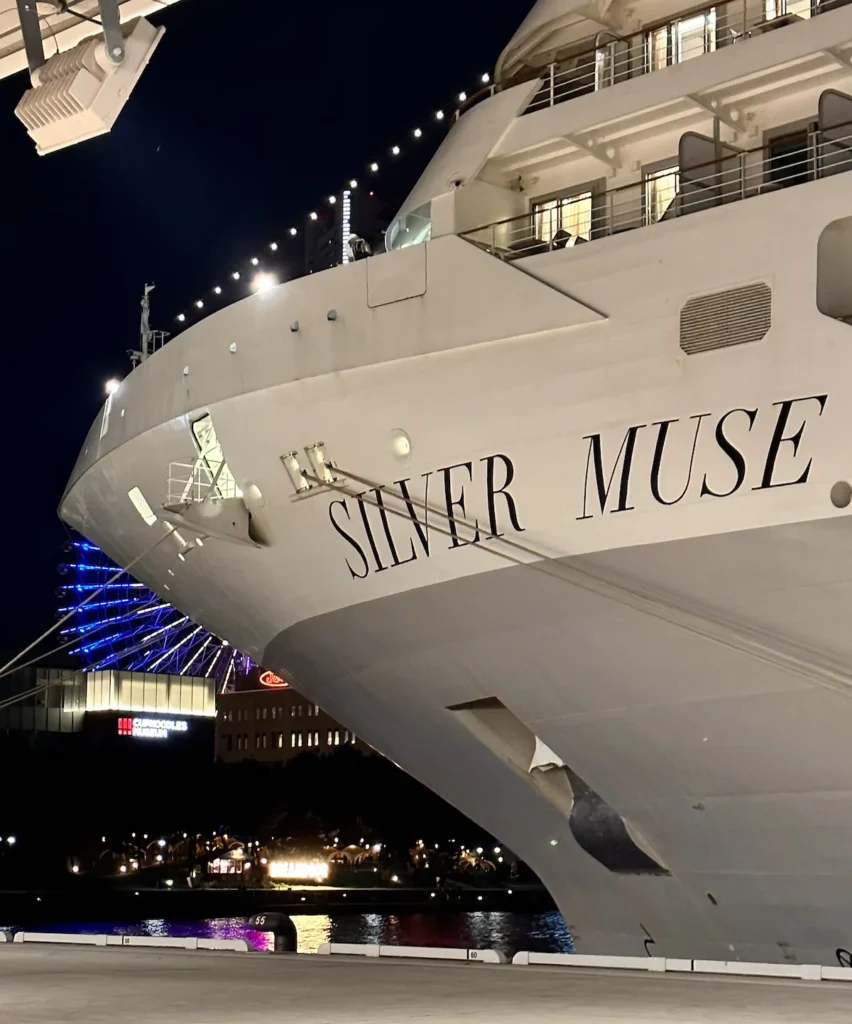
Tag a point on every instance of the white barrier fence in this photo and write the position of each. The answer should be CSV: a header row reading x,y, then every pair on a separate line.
x,y
483,956
804,972
157,941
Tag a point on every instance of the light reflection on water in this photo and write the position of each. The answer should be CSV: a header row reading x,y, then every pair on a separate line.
x,y
542,933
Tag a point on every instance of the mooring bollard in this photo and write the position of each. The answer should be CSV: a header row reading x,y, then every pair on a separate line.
x,y
282,928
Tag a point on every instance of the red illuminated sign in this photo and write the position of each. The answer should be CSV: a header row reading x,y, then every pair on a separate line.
x,y
273,681
125,727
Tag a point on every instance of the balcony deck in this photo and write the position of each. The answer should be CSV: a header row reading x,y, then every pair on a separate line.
x,y
735,176
694,32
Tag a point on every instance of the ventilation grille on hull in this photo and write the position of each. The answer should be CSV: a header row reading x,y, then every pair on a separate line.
x,y
732,317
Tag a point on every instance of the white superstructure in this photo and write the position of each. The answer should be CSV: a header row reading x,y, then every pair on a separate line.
x,y
549,502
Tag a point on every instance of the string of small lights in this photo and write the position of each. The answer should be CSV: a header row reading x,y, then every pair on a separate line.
x,y
255,274
132,626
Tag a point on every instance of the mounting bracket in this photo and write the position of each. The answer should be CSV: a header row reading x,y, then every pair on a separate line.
x,y
733,117
31,30
607,154
111,21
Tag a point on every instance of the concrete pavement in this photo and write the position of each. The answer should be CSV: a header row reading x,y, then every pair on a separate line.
x,y
47,985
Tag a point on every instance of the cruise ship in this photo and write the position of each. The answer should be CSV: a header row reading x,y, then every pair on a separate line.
x,y
549,502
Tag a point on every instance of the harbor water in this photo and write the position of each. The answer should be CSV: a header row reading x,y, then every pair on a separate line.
x,y
509,932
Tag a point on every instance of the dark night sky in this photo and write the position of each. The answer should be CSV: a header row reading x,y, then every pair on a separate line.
x,y
249,113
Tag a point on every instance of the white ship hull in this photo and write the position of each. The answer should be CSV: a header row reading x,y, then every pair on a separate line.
x,y
685,652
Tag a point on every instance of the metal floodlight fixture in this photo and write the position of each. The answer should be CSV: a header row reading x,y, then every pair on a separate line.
x,y
78,94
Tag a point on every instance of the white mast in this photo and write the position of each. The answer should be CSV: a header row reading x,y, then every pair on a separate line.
x,y
149,340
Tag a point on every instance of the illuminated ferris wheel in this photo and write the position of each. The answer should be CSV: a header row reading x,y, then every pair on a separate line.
x,y
128,626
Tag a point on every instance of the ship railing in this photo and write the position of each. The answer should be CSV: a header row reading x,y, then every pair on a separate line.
x,y
471,101
672,193
691,34
198,479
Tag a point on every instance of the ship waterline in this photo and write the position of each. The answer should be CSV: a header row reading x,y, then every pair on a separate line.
x,y
535,520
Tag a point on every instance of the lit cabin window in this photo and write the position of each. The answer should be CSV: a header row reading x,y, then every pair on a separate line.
x,y
781,8
564,219
660,190
683,39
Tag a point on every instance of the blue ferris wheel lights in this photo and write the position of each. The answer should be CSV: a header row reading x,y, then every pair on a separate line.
x,y
128,626
83,587
99,605
89,627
